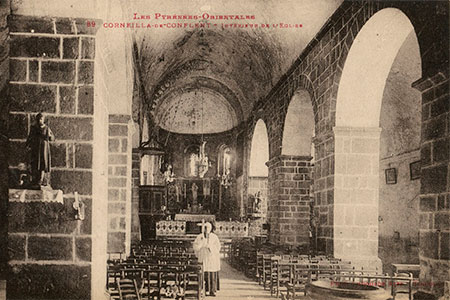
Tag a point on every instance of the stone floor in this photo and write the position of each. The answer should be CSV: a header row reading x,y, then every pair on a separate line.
x,y
236,286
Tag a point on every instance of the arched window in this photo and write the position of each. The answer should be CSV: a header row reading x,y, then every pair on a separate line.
x,y
190,161
225,159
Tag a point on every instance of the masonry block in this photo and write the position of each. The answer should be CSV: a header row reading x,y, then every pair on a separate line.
x,y
116,242
434,128
117,159
72,128
24,46
86,225
65,26
17,70
18,126
429,244
33,70
87,48
67,99
117,182
70,48
117,208
42,217
86,100
113,145
86,72
29,24
33,98
49,282
441,149
20,153
16,247
113,194
433,179
427,203
83,156
49,248
70,181
59,155
58,71
123,119
118,130
83,249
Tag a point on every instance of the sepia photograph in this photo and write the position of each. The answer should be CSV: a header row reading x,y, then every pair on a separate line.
x,y
224,149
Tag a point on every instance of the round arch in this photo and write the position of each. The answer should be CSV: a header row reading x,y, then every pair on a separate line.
x,y
357,131
259,151
367,67
298,127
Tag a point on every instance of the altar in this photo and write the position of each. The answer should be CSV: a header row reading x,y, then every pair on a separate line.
x,y
195,217
184,229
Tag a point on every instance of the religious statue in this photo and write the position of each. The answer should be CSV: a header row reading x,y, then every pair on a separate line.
x,y
194,188
203,162
169,176
258,202
38,143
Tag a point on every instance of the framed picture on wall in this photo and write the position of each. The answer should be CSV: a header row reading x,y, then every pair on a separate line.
x,y
391,176
414,170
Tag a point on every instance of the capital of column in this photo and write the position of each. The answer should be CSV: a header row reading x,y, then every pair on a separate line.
x,y
347,131
283,157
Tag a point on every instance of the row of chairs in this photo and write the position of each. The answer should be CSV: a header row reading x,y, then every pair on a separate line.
x,y
174,273
287,273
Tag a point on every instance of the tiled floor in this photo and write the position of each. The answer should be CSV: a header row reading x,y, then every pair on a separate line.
x,y
234,285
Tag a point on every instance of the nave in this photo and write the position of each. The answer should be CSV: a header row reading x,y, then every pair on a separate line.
x,y
169,269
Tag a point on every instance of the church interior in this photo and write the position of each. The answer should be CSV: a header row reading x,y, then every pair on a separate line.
x,y
313,135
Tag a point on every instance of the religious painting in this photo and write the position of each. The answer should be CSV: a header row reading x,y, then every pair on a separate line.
x,y
414,170
391,176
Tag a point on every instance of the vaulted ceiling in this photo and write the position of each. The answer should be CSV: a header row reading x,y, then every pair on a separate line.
x,y
206,80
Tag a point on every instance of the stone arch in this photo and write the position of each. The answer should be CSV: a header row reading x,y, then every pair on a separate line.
x,y
357,134
298,128
259,151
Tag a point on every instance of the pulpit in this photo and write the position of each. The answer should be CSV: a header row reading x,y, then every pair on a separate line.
x,y
151,200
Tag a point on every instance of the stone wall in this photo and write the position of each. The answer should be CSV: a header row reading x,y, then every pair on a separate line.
x,y
4,103
52,71
318,70
135,182
289,200
434,247
119,184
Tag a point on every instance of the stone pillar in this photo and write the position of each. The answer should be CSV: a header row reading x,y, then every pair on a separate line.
x,y
135,182
289,199
4,70
52,71
434,246
119,184
356,192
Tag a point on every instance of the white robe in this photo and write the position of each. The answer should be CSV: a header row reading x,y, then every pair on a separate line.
x,y
208,252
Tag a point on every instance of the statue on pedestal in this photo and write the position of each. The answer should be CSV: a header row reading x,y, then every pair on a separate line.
x,y
38,143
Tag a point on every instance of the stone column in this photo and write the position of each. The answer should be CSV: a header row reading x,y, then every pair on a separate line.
x,y
135,182
4,70
356,192
289,199
119,184
52,71
434,245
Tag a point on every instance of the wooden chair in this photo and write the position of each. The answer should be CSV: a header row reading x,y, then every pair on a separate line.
x,y
300,278
402,283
